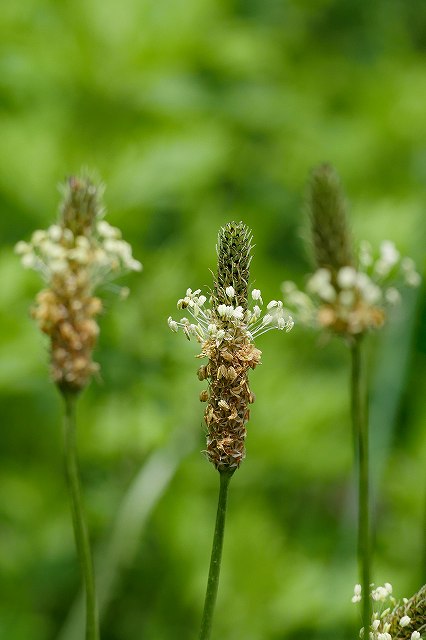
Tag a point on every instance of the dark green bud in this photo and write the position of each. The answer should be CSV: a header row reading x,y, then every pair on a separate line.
x,y
81,205
331,238
234,245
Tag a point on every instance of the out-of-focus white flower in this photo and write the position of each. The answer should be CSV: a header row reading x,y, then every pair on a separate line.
x,y
351,301
380,594
346,277
357,593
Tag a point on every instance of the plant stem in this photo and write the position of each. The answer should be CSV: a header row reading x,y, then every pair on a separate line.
x,y
78,517
216,557
360,429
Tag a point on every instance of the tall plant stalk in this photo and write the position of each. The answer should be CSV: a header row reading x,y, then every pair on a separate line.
x,y
216,557
78,516
75,256
226,329
360,430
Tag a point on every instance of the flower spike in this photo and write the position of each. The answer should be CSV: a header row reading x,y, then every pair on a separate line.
x,y
226,328
75,256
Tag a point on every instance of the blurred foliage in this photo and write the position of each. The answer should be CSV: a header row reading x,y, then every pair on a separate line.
x,y
196,112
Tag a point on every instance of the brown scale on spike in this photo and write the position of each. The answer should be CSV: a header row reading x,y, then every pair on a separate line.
x,y
229,397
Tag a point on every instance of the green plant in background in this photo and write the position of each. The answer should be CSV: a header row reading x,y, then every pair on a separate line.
x,y
75,256
347,297
393,619
226,330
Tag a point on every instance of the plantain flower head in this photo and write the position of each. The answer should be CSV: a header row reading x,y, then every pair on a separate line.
x,y
346,295
226,326
75,256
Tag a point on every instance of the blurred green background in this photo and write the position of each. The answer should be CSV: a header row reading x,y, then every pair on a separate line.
x,y
194,113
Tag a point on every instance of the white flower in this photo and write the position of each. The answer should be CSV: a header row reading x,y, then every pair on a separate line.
x,y
375,624
392,295
55,232
389,253
388,587
172,324
412,278
230,292
372,293
21,248
379,594
29,260
134,265
320,284
281,323
346,277
405,621
58,266
357,593
256,312
317,281
220,335
107,231
327,293
362,280
79,255
225,311
384,636
256,294
272,304
38,237
83,243
290,324
238,313
415,635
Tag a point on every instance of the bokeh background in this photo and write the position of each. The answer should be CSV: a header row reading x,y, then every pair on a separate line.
x,y
196,112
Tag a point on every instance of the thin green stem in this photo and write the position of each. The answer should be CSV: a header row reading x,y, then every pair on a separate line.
x,y
360,430
78,518
216,557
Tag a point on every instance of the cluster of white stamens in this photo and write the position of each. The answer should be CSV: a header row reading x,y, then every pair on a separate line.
x,y
352,300
380,624
52,251
220,323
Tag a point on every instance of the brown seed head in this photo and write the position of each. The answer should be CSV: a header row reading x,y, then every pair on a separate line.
x,y
229,396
